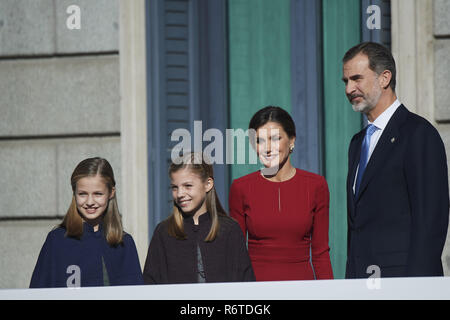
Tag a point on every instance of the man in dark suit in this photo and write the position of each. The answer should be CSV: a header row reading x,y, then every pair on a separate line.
x,y
397,183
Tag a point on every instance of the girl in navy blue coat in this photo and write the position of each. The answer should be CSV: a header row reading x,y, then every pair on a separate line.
x,y
89,247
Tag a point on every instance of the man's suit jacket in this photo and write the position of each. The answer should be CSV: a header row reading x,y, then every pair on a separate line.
x,y
398,221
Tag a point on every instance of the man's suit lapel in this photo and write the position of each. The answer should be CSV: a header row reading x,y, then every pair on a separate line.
x,y
388,141
355,154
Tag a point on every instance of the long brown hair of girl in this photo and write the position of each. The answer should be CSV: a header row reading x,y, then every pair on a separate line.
x,y
112,222
197,164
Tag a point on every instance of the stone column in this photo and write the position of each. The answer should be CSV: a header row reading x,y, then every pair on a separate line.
x,y
421,47
412,47
134,122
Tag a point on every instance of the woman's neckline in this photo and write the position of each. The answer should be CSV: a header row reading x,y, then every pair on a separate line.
x,y
287,180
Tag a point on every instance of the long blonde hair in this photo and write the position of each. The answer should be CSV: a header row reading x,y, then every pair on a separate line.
x,y
197,164
112,222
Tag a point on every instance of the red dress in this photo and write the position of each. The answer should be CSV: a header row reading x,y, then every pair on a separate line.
x,y
285,222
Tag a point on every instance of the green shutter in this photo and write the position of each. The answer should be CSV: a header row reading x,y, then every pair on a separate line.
x,y
259,62
341,31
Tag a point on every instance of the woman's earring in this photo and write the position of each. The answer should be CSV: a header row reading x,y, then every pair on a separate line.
x,y
291,149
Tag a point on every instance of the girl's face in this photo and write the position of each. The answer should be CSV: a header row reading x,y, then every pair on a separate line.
x,y
272,144
92,196
189,191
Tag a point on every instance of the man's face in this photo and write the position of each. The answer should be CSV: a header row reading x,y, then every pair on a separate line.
x,y
362,85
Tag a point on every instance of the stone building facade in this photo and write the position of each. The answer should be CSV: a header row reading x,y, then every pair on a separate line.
x,y
67,94
60,103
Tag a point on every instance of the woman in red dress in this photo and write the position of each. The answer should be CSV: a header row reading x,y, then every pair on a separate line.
x,y
282,210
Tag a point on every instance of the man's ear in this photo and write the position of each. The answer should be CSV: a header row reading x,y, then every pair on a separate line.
x,y
385,79
209,184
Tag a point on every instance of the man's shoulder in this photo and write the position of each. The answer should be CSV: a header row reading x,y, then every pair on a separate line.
x,y
418,124
407,120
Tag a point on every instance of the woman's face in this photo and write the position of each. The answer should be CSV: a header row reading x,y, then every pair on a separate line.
x,y
92,197
273,144
189,191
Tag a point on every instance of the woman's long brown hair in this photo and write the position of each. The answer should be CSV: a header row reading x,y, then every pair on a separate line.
x,y
197,164
112,222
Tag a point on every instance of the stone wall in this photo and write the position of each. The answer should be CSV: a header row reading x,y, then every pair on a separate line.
x,y
441,33
59,104
420,45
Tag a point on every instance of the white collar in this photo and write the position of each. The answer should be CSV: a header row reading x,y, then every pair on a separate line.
x,y
382,120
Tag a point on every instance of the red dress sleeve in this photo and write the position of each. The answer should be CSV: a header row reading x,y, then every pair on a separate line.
x,y
236,205
319,246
